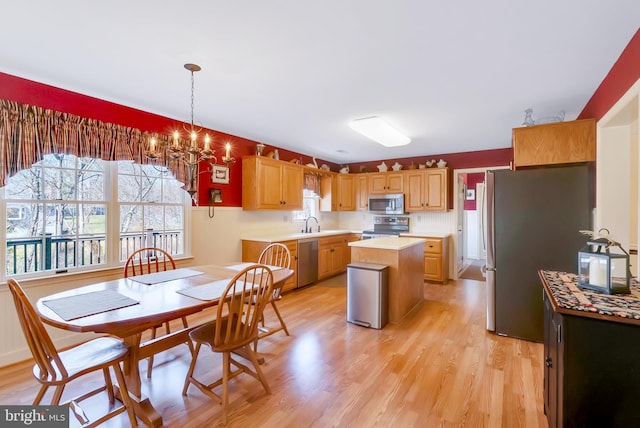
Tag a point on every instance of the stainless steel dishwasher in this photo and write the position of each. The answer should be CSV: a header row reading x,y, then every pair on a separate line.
x,y
307,269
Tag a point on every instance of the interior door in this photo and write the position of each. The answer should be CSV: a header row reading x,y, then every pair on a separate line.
x,y
460,213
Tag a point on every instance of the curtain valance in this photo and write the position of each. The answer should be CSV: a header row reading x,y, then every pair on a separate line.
x,y
29,132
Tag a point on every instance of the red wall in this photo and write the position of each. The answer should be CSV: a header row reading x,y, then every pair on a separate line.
x,y
624,73
471,180
38,94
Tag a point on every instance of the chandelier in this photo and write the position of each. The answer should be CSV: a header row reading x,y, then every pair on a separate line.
x,y
188,151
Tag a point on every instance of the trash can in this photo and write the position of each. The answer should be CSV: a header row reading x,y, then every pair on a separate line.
x,y
367,294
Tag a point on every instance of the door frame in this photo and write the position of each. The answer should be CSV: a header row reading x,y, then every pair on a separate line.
x,y
460,207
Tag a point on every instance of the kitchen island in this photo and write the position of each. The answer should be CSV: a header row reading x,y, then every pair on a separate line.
x,y
405,258
591,347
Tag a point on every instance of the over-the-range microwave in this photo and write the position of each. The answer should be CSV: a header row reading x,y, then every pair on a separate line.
x,y
387,204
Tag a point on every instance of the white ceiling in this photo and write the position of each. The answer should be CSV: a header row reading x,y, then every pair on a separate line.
x,y
455,76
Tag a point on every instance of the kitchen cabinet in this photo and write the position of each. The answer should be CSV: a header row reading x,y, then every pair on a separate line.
x,y
338,192
269,184
555,143
333,255
591,366
426,189
386,182
436,259
362,192
251,252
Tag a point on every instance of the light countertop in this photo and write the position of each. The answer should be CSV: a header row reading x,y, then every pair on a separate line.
x,y
279,237
426,234
388,243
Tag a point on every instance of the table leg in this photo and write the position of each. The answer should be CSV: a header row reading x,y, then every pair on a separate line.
x,y
142,405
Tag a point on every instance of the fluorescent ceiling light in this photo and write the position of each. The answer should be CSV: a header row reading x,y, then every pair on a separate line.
x,y
379,131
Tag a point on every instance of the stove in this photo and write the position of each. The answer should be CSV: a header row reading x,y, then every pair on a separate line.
x,y
387,226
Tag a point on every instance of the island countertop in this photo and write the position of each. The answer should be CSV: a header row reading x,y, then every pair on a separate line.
x,y
388,243
567,298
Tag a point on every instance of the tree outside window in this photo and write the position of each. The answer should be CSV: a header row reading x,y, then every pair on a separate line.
x,y
58,213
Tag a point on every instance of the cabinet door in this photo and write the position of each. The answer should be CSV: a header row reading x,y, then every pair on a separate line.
x,y
555,143
552,332
362,192
346,192
291,183
432,267
269,185
340,253
395,182
292,282
436,182
416,193
324,259
377,183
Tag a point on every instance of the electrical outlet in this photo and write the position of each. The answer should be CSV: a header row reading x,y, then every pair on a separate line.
x,y
285,218
419,218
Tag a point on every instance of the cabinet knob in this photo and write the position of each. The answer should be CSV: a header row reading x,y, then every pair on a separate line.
x,y
548,362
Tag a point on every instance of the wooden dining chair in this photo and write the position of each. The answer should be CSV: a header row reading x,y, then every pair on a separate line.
x,y
151,260
276,254
233,331
53,368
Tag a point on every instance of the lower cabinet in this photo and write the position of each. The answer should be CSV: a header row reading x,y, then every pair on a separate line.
x,y
591,370
333,255
436,258
251,252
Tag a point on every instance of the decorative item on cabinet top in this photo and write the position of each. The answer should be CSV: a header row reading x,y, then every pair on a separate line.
x,y
344,169
396,167
528,119
382,167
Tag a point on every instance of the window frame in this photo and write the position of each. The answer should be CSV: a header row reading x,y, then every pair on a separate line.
x,y
111,226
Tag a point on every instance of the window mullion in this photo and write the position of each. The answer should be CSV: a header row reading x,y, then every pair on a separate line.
x,y
113,214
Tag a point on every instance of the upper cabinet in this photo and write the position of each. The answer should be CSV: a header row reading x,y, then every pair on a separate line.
x,y
386,182
426,189
362,192
338,192
555,143
269,184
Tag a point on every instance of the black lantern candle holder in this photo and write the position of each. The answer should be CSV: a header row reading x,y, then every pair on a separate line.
x,y
603,271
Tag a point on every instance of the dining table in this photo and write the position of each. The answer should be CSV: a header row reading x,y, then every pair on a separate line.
x,y
127,307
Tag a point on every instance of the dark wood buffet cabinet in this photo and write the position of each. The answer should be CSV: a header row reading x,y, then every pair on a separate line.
x,y
591,355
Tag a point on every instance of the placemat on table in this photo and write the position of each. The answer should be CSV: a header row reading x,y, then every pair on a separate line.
x,y
210,291
82,305
241,266
170,275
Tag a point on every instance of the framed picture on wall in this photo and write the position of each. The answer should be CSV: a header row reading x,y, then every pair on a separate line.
x,y
220,174
471,194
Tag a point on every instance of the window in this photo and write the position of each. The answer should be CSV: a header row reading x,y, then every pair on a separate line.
x,y
59,213
151,214
309,207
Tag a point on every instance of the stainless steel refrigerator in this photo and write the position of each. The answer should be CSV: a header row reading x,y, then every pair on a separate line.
x,y
533,221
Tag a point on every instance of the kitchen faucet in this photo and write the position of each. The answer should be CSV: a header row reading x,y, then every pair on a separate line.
x,y
306,224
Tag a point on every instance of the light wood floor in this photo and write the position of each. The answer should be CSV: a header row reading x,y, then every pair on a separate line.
x,y
438,368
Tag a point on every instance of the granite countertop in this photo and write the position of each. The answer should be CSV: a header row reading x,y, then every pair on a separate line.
x,y
278,237
388,243
566,297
